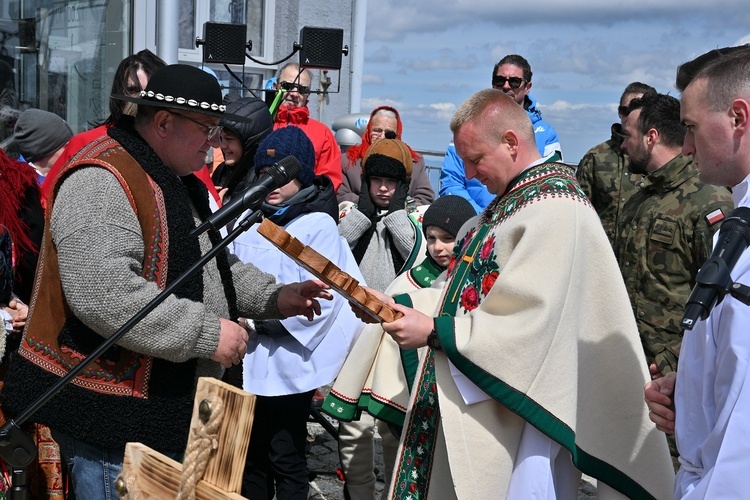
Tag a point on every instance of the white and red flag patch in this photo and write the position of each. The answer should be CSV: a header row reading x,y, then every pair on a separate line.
x,y
715,216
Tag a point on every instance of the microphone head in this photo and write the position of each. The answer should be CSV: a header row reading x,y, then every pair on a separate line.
x,y
285,170
738,220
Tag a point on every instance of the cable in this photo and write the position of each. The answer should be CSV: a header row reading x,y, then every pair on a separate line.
x,y
296,49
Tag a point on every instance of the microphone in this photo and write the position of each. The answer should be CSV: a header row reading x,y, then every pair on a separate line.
x,y
281,173
714,280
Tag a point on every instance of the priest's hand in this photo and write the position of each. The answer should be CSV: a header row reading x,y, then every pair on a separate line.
x,y
659,394
364,315
301,298
411,330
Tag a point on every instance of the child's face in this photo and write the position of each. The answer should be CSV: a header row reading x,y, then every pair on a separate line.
x,y
381,190
283,193
231,147
440,245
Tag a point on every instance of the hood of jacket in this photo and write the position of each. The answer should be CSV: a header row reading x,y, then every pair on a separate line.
x,y
252,132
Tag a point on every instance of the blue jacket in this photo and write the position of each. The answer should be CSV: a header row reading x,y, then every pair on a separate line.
x,y
453,174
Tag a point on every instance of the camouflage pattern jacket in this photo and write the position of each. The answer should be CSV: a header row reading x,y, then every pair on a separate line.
x,y
664,236
603,174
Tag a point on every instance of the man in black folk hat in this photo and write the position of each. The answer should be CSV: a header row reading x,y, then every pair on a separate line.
x,y
118,231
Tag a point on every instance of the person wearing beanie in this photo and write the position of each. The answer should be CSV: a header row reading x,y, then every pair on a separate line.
x,y
376,377
384,233
287,360
440,224
41,137
385,123
239,142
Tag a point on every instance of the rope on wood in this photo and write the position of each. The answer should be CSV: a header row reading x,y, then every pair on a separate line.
x,y
204,442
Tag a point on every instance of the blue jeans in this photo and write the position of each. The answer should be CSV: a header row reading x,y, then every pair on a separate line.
x,y
92,468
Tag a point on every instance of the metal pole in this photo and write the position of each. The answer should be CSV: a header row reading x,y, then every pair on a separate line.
x,y
359,21
168,30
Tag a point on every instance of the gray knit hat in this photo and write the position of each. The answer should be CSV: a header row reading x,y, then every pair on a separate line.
x,y
448,212
40,133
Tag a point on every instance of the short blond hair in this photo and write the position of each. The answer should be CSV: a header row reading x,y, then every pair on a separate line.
x,y
497,113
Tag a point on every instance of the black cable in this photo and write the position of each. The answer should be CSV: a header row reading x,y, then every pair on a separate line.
x,y
240,81
296,49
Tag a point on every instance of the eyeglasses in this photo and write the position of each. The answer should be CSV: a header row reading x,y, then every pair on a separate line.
x,y
212,131
380,131
622,110
294,87
498,81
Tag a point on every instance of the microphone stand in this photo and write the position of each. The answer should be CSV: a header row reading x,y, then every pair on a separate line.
x,y
16,447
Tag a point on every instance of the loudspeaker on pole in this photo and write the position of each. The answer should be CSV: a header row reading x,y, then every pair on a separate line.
x,y
321,48
224,43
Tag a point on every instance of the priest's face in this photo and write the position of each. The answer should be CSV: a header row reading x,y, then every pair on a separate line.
x,y
485,159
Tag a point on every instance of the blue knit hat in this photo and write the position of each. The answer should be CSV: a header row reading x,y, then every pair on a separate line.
x,y
287,141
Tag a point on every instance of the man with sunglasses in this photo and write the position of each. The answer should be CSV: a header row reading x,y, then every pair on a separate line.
x,y
512,74
603,171
295,83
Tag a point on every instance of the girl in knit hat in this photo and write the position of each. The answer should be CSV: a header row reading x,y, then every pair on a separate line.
x,y
287,360
377,375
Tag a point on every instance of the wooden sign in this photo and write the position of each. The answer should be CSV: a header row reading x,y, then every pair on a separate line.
x,y
327,272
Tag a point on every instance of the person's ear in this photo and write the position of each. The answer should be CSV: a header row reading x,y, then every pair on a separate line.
x,y
510,137
740,114
162,120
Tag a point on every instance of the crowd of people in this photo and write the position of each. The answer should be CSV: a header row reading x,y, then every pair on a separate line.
x,y
538,303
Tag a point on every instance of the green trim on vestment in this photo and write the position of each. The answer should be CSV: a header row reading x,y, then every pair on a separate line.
x,y
347,411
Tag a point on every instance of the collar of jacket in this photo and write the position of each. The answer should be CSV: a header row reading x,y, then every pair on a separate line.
x,y
670,175
289,115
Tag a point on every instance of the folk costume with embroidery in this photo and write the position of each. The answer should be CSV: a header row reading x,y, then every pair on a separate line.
x,y
537,334
377,374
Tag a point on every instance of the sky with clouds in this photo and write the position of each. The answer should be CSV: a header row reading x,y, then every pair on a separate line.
x,y
425,57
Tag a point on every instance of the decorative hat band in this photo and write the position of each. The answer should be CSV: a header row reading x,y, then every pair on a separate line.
x,y
181,100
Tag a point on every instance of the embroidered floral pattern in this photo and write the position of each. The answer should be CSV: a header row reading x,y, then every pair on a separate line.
x,y
415,462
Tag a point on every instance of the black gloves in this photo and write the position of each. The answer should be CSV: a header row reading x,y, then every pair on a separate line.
x,y
365,204
398,200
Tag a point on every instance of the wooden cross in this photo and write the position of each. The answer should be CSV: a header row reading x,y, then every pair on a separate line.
x,y
157,476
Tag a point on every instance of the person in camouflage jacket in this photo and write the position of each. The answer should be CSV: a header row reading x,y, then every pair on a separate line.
x,y
666,227
603,171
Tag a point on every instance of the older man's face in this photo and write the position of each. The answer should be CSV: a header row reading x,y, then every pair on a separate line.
x,y
187,140
299,90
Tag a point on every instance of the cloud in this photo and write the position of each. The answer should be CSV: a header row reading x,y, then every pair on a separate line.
x,y
369,79
383,54
390,20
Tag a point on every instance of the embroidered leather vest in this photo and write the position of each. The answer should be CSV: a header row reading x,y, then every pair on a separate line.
x,y
112,401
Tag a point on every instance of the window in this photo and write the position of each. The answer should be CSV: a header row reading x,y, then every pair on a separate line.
x,y
61,57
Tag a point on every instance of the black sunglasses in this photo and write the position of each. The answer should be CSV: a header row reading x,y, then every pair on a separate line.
x,y
498,81
622,110
290,87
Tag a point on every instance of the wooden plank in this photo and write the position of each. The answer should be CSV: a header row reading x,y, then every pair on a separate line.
x,y
327,272
227,464
158,476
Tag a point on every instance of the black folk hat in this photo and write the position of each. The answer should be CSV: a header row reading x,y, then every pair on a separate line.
x,y
180,86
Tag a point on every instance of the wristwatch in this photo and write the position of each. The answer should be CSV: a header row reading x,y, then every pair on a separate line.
x,y
433,342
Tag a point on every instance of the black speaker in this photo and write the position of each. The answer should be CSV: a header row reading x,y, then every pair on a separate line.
x,y
321,47
224,43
